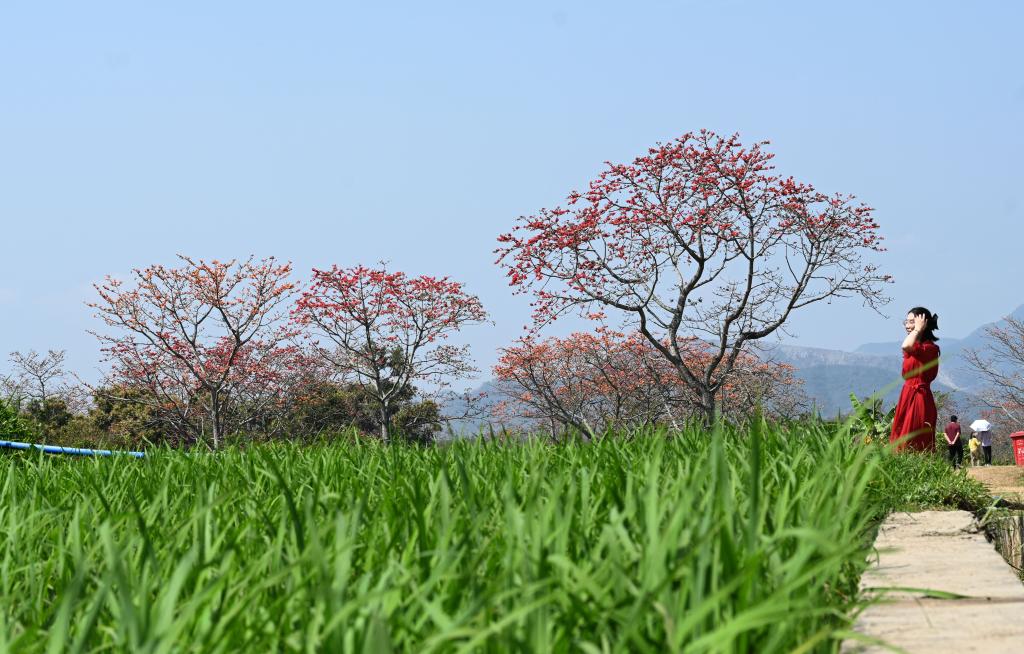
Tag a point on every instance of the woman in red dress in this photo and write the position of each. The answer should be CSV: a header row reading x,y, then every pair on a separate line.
x,y
914,422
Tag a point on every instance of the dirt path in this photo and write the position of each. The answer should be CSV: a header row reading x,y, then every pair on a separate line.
x,y
1007,481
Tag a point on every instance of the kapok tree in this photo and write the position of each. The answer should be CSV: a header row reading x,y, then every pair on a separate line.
x,y
389,331
755,385
698,238
595,382
194,337
590,382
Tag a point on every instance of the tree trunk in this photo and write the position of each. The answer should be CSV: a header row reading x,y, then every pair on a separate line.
x,y
385,423
215,417
708,407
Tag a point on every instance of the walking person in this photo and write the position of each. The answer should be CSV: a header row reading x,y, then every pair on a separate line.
x,y
982,429
956,446
913,425
986,445
975,446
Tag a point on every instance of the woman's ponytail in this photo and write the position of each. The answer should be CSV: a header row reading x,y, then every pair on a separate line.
x,y
931,323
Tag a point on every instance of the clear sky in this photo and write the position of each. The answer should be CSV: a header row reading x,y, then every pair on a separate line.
x,y
416,132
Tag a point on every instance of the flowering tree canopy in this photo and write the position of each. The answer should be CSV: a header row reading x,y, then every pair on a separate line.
x,y
388,330
595,382
197,337
591,382
698,238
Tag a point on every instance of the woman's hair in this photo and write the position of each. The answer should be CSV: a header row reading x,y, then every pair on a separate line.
x,y
931,323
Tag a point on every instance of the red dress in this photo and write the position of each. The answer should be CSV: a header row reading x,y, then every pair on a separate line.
x,y
915,412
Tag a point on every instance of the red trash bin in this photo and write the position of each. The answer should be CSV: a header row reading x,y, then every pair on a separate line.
x,y
1018,446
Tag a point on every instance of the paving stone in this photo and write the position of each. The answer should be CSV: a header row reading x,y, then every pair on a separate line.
x,y
940,551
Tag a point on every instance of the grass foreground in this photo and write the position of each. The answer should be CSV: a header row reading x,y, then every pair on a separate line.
x,y
651,542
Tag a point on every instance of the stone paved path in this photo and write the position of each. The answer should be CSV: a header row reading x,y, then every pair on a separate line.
x,y
942,551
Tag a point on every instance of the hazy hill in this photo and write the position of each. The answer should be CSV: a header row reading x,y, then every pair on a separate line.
x,y
830,376
954,371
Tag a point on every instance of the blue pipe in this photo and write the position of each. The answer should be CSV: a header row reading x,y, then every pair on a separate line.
x,y
57,449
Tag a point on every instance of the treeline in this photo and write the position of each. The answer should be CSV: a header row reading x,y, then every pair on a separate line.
x,y
582,385
130,417
210,352
696,250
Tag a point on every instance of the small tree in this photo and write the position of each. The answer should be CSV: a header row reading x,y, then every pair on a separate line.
x,y
40,389
192,338
39,376
127,416
696,239
1000,364
757,385
389,331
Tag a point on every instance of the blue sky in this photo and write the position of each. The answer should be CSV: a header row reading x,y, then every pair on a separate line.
x,y
416,132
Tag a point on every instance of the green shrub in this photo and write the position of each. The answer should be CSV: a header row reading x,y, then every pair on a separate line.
x,y
910,481
12,426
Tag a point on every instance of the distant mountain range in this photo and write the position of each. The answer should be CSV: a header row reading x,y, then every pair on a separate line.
x,y
954,370
875,366
830,376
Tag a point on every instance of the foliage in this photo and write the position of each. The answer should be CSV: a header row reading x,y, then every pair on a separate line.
x,y
590,382
869,422
417,422
12,426
999,362
946,404
329,407
128,415
698,238
737,542
49,415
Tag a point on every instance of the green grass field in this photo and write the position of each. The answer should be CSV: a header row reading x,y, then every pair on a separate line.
x,y
725,542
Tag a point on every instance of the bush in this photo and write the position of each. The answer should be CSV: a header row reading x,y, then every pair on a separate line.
x,y
913,482
49,416
329,408
12,426
129,422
